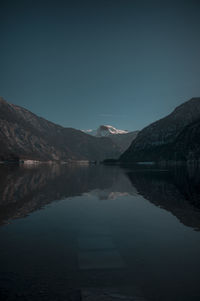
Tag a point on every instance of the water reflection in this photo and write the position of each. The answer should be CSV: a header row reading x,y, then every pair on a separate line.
x,y
103,230
24,190
176,190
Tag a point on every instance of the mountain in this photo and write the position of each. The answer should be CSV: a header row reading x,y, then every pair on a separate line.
x,y
171,138
122,138
27,136
105,130
186,146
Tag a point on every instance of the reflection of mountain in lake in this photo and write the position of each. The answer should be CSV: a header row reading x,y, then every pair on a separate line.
x,y
120,187
24,190
177,191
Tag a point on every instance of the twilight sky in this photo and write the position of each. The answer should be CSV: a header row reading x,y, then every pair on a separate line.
x,y
83,63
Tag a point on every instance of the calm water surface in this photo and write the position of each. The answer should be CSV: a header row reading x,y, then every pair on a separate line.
x,y
69,230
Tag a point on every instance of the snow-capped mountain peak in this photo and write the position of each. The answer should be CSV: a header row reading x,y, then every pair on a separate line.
x,y
105,130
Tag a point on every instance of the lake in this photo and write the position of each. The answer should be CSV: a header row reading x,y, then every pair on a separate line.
x,y
99,233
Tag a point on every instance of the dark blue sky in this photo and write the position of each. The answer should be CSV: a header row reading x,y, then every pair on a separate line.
x,y
86,63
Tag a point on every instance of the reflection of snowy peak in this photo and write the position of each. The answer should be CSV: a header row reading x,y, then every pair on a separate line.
x,y
105,130
119,188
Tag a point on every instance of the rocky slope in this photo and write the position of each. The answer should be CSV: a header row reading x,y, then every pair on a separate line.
x,y
121,138
171,138
28,136
124,140
186,146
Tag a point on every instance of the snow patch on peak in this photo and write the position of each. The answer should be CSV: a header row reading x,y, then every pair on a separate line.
x,y
90,132
111,130
105,130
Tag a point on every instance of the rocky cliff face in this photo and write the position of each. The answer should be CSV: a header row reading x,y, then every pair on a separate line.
x,y
28,136
157,141
186,146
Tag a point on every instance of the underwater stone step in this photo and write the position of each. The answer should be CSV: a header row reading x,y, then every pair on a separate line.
x,y
94,231
95,243
94,294
103,259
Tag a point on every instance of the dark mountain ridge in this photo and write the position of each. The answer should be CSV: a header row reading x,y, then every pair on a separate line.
x,y
28,136
174,137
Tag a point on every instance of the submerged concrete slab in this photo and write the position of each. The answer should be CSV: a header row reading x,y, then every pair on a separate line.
x,y
103,259
98,230
95,243
106,295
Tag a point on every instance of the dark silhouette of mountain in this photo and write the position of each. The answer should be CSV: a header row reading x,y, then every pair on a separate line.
x,y
187,145
174,137
27,136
